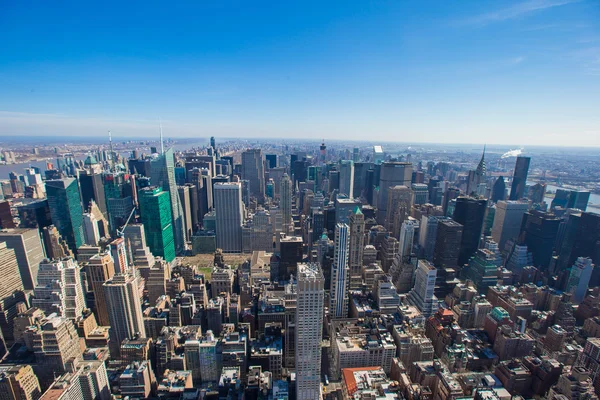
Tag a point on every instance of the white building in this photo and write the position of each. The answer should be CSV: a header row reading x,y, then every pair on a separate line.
x,y
340,273
421,296
309,329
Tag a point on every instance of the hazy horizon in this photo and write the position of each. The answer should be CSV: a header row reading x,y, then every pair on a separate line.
x,y
515,73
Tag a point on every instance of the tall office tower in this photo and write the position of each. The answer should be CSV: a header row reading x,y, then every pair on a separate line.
x,y
163,175
538,232
517,189
347,178
428,234
391,174
389,251
27,245
100,268
285,203
156,283
18,382
92,189
447,244
155,207
477,176
253,170
186,205
309,331
135,237
400,200
124,310
420,193
407,236
290,253
59,289
357,246
507,220
118,250
66,211
578,199
338,304
469,212
213,143
91,232
230,216
35,215
499,190
119,200
537,193
587,243
449,195
579,279
9,270
421,295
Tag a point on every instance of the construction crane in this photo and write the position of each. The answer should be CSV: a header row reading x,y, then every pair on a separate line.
x,y
121,232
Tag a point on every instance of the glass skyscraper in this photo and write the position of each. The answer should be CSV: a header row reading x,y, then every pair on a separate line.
x,y
155,207
66,211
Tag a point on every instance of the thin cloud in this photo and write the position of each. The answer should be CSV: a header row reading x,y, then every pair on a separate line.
x,y
516,11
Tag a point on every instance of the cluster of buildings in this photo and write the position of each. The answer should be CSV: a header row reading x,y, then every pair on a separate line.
x,y
363,275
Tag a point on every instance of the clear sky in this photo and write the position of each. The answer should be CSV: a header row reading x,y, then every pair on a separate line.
x,y
468,71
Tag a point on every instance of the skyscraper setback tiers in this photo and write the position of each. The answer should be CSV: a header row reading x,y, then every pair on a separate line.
x,y
308,271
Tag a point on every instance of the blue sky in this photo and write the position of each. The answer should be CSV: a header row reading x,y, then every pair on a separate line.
x,y
469,71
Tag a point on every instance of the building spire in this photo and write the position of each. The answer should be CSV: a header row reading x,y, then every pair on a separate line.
x,y
112,153
481,167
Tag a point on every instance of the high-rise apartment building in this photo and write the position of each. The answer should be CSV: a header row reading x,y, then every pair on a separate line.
x,y
100,268
18,382
163,175
407,236
517,189
253,170
309,327
469,212
156,207
65,207
391,174
340,273
285,204
347,178
124,310
230,216
9,270
27,244
507,220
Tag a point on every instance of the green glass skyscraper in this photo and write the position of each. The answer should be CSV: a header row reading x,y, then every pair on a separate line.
x,y
155,207
66,211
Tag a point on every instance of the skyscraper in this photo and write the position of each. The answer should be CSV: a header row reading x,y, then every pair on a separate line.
x,y
407,236
579,279
27,245
469,212
229,216
447,244
347,178
155,207
392,174
428,234
517,189
253,170
400,200
100,269
119,200
499,190
357,245
309,331
538,232
421,295
285,203
338,306
163,175
507,221
124,310
186,206
59,289
66,210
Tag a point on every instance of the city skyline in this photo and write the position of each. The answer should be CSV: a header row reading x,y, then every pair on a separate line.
x,y
516,73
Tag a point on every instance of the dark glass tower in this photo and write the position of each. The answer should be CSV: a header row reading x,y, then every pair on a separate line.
x,y
469,212
499,190
538,232
65,207
517,190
